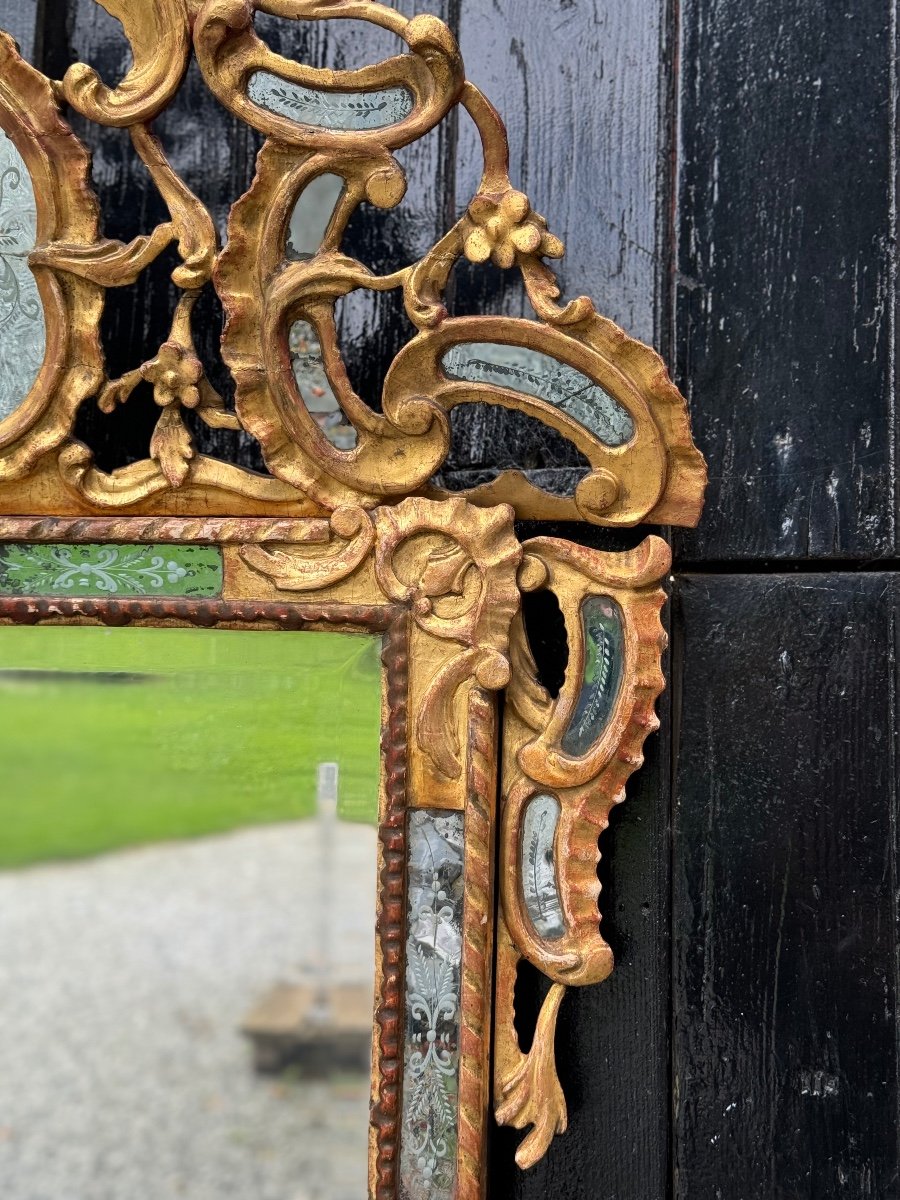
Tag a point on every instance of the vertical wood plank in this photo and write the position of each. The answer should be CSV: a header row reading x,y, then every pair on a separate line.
x,y
785,288
785,921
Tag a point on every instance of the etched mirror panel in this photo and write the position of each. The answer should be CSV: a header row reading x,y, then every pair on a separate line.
x,y
536,374
538,867
329,110
433,999
123,571
187,912
22,331
604,652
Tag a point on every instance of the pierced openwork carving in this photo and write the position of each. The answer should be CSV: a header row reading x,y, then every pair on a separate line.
x,y
565,764
569,367
350,530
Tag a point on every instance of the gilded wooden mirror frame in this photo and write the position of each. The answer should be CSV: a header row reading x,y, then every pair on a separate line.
x,y
359,537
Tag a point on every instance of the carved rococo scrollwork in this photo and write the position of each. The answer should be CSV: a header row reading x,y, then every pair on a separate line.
x,y
338,524
456,568
569,368
565,765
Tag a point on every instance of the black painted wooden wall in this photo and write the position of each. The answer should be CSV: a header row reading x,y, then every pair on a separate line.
x,y
724,175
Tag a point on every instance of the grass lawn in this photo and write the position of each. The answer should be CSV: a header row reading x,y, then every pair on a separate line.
x,y
116,737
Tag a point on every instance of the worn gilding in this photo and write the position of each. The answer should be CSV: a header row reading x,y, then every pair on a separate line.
x,y
382,550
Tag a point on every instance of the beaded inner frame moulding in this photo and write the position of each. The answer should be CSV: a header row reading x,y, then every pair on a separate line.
x,y
346,529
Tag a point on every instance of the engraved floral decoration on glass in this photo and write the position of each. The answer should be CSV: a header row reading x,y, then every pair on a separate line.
x,y
604,640
544,378
348,517
433,982
35,569
22,329
538,867
330,110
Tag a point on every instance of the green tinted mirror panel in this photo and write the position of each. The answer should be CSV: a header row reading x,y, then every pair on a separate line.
x,y
45,569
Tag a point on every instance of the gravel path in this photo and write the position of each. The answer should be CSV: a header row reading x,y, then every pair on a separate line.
x,y
123,981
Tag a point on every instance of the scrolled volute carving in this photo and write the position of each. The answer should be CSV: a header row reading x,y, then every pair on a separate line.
x,y
454,566
569,368
566,762
352,536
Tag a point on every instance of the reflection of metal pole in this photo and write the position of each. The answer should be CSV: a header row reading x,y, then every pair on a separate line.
x,y
326,807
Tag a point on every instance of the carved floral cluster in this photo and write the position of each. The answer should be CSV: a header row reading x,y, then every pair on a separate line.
x,y
506,226
175,374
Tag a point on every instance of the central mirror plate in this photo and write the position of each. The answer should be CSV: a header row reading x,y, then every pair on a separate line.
x,y
188,867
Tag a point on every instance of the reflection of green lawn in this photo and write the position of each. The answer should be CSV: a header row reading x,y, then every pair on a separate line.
x,y
213,729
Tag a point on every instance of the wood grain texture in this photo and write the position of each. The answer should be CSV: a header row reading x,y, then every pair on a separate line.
x,y
579,87
785,919
613,1039
786,269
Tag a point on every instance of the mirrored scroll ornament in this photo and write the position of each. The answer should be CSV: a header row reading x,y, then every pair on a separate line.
x,y
387,104
565,764
607,394
571,369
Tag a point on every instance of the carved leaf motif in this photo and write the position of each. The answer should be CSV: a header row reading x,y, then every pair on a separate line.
x,y
436,723
212,410
171,446
159,36
292,572
108,263
445,572
532,1094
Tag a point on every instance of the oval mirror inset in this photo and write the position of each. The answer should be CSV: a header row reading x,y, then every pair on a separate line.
x,y
604,653
545,378
23,335
538,867
329,110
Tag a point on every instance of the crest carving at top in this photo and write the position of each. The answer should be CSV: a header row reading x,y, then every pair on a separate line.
x,y
568,367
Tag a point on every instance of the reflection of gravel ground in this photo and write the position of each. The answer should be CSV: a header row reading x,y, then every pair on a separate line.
x,y
122,983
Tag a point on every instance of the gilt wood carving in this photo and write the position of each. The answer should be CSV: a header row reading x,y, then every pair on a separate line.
x,y
582,375
356,534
